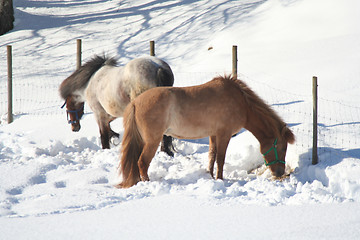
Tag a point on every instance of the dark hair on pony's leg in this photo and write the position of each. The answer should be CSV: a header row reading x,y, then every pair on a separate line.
x,y
167,146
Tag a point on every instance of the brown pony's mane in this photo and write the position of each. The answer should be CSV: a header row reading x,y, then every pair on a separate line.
x,y
268,116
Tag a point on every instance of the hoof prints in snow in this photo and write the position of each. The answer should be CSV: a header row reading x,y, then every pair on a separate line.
x,y
60,184
15,191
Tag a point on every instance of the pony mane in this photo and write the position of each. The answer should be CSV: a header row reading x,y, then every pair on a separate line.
x,y
269,117
81,76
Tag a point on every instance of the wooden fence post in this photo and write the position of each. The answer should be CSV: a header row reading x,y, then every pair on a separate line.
x,y
78,53
10,93
234,61
315,122
152,48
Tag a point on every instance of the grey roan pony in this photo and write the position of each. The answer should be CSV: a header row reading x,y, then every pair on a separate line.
x,y
109,88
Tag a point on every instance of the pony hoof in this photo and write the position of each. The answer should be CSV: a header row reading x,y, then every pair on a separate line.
x,y
211,172
115,141
122,185
167,151
118,186
170,153
145,178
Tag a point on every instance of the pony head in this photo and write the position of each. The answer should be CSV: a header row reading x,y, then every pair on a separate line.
x,y
275,151
74,111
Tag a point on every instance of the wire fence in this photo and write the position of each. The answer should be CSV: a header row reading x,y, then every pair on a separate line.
x,y
32,94
338,122
35,92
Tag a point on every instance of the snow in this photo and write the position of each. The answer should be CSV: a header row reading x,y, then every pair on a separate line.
x,y
58,184
179,217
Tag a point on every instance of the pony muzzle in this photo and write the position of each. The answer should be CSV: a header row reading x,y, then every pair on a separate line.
x,y
75,127
75,124
277,170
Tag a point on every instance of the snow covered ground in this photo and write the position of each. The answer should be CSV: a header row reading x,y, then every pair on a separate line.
x,y
56,184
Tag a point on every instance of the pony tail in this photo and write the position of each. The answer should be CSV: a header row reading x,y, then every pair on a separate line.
x,y
131,148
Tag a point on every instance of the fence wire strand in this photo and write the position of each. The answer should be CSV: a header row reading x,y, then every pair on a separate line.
x,y
338,123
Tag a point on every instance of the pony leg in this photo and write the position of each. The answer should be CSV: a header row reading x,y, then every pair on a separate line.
x,y
212,154
114,137
146,156
166,145
105,131
221,146
105,137
111,132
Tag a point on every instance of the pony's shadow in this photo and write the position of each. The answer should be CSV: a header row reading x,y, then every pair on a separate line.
x,y
198,141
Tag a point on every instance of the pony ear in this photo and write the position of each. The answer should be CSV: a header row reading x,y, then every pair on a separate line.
x,y
288,135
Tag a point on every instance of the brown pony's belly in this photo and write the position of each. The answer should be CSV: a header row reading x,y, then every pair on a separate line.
x,y
186,135
189,131
197,127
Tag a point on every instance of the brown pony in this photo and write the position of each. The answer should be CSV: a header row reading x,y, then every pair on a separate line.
x,y
218,109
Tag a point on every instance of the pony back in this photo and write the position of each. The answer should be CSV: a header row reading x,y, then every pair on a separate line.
x,y
131,148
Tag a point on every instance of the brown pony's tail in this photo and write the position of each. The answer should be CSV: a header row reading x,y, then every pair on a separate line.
x,y
131,148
